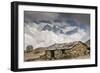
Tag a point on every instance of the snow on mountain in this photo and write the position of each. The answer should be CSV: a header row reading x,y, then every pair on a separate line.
x,y
43,29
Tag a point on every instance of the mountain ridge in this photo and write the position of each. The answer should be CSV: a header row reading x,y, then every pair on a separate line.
x,y
61,45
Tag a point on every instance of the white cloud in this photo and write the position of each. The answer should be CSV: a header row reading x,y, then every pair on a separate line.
x,y
41,38
38,38
67,29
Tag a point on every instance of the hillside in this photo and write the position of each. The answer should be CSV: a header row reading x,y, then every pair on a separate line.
x,y
88,43
57,51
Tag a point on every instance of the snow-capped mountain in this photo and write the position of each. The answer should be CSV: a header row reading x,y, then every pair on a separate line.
x,y
57,27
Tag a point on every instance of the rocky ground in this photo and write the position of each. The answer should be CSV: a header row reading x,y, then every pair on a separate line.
x,y
75,50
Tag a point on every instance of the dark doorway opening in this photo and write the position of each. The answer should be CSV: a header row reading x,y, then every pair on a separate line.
x,y
52,54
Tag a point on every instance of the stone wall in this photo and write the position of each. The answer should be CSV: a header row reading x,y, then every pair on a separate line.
x,y
77,51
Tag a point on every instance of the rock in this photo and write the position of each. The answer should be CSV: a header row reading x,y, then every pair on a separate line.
x,y
29,48
88,43
62,51
58,54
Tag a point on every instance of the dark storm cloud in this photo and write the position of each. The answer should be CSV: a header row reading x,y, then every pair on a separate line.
x,y
82,18
34,16
30,16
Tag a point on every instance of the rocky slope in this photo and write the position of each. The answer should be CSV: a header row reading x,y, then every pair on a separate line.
x,y
56,51
88,43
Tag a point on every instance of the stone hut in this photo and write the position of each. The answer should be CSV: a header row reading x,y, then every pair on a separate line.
x,y
59,51
66,51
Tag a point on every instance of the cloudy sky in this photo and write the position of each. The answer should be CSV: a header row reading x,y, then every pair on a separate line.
x,y
43,29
